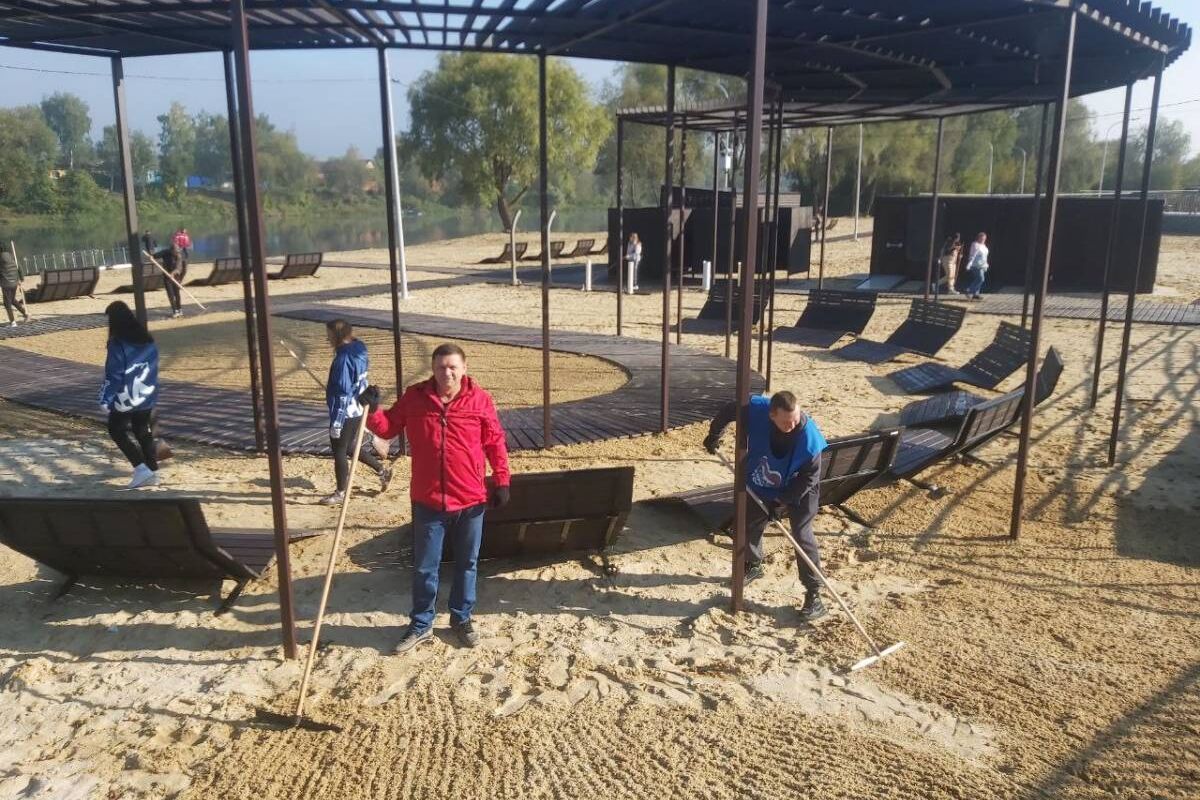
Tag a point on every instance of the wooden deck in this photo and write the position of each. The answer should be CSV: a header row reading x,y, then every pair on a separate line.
x,y
223,417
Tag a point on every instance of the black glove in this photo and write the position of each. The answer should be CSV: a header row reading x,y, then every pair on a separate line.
x,y
370,398
498,497
776,510
711,443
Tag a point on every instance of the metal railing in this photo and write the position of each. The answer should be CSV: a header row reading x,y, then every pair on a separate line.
x,y
96,257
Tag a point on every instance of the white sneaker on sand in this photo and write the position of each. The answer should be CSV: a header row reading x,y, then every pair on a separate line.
x,y
142,476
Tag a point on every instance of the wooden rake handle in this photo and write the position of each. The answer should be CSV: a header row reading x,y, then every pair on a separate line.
x,y
171,278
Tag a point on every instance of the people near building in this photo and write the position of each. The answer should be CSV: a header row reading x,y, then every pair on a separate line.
x,y
784,471
454,433
950,255
11,279
347,380
977,265
173,262
130,391
633,259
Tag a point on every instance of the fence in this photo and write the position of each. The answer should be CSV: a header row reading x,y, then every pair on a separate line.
x,y
37,264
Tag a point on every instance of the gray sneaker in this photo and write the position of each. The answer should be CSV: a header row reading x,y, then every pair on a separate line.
x,y
466,633
334,499
412,639
385,478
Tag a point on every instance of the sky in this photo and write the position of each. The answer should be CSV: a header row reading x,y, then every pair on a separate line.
x,y
330,99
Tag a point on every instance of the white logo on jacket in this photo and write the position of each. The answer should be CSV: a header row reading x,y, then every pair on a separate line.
x,y
127,400
764,476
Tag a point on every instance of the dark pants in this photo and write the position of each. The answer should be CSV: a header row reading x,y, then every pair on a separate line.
x,y
801,518
430,530
172,290
11,300
343,449
131,431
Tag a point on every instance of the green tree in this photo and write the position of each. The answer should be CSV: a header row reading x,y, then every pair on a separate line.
x,y
476,117
27,151
108,157
80,194
346,175
41,195
1169,168
211,153
285,173
68,117
176,149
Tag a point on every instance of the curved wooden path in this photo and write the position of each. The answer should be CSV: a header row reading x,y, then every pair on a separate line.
x,y
223,417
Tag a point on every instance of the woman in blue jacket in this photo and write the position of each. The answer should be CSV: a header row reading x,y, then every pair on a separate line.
x,y
347,380
130,390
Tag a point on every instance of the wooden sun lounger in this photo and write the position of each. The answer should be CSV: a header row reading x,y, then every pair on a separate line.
x,y
506,254
556,248
950,406
713,310
848,465
603,251
829,315
299,265
153,539
927,329
1005,355
554,512
225,270
152,278
63,284
583,247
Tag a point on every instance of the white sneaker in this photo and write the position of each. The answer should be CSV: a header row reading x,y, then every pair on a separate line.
x,y
12,324
142,476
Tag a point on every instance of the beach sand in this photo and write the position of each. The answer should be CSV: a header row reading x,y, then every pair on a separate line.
x,y
1061,665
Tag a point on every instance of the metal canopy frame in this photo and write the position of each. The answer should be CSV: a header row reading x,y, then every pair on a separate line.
x,y
824,65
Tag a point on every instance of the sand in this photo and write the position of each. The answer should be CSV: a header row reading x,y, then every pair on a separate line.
x,y
1062,665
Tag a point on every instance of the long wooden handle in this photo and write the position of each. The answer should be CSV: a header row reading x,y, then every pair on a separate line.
x,y
171,278
333,553
300,361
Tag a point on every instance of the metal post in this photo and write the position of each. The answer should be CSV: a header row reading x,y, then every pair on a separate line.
x,y
512,248
716,200
930,277
1039,299
1036,215
239,198
544,190
858,181
754,102
1113,227
682,229
620,248
1127,332
774,230
127,189
392,195
825,207
729,269
258,253
668,178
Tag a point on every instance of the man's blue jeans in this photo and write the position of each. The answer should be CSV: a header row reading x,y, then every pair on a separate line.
x,y
977,276
430,529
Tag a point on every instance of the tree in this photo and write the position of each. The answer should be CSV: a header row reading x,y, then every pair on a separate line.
x,y
80,194
108,156
27,150
1169,168
211,152
346,176
284,172
68,117
476,117
176,149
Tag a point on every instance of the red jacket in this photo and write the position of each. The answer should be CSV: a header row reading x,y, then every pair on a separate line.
x,y
448,443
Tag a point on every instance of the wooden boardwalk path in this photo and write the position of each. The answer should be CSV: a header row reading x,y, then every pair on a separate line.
x,y
223,417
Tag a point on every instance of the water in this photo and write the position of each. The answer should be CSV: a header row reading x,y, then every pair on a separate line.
x,y
326,233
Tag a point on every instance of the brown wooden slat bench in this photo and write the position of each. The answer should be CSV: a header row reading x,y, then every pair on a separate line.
x,y
556,248
506,255
829,315
950,406
152,279
154,539
927,329
63,284
603,251
554,512
849,464
299,265
1006,354
713,309
583,247
225,270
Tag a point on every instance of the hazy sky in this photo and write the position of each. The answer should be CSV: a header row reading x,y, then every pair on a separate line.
x,y
330,99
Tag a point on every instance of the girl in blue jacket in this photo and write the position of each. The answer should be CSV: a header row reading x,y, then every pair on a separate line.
x,y
130,390
347,380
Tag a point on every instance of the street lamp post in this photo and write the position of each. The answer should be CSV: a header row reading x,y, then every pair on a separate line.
x,y
1024,161
991,160
1104,157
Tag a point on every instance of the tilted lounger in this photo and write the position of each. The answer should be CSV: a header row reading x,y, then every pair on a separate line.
x,y
583,247
713,310
154,539
225,270
299,265
556,248
506,254
926,330
1006,354
63,284
829,315
552,512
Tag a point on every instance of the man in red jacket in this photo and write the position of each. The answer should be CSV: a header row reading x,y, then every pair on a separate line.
x,y
452,428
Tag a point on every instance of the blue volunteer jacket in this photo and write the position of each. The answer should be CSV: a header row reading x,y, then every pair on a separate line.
x,y
347,380
769,475
130,376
